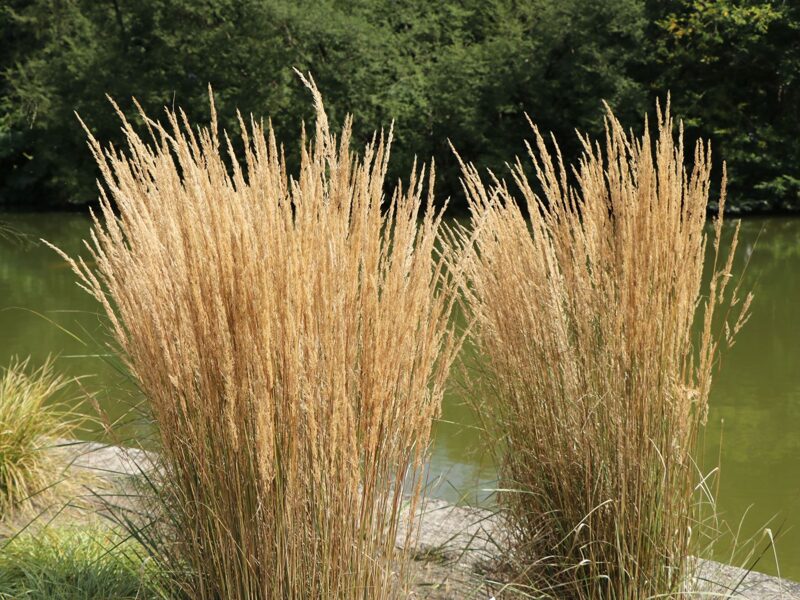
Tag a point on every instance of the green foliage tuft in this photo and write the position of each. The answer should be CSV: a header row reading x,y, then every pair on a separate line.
x,y
75,564
29,427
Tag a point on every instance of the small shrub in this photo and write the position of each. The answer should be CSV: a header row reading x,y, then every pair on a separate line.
x,y
596,382
30,425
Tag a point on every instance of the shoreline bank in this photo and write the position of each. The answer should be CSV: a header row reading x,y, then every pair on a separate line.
x,y
455,543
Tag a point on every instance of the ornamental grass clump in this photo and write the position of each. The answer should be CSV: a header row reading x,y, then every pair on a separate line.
x,y
31,425
599,340
292,336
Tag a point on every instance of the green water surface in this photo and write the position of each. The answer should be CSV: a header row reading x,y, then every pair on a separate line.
x,y
755,401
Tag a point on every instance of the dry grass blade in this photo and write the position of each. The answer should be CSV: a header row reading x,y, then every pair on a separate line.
x,y
292,336
587,312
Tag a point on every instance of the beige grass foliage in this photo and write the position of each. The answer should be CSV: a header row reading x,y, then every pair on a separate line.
x,y
600,341
291,335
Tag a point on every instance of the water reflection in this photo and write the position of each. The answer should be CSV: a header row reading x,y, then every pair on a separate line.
x,y
44,313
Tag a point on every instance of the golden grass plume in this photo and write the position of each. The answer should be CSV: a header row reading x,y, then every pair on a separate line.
x,y
292,336
587,300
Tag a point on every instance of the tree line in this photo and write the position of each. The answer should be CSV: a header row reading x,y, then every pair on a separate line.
x,y
463,72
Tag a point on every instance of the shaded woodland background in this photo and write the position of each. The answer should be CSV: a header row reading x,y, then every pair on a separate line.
x,y
464,71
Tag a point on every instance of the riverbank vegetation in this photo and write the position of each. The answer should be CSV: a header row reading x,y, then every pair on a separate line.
x,y
76,563
596,382
291,327
292,336
460,70
31,425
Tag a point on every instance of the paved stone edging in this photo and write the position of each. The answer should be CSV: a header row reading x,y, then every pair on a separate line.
x,y
465,537
469,537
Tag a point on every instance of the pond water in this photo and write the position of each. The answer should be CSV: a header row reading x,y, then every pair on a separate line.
x,y
755,400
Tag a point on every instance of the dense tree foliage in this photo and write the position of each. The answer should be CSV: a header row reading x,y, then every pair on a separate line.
x,y
463,71
734,71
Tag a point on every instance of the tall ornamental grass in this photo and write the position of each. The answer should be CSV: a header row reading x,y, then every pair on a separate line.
x,y
31,425
291,334
599,340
